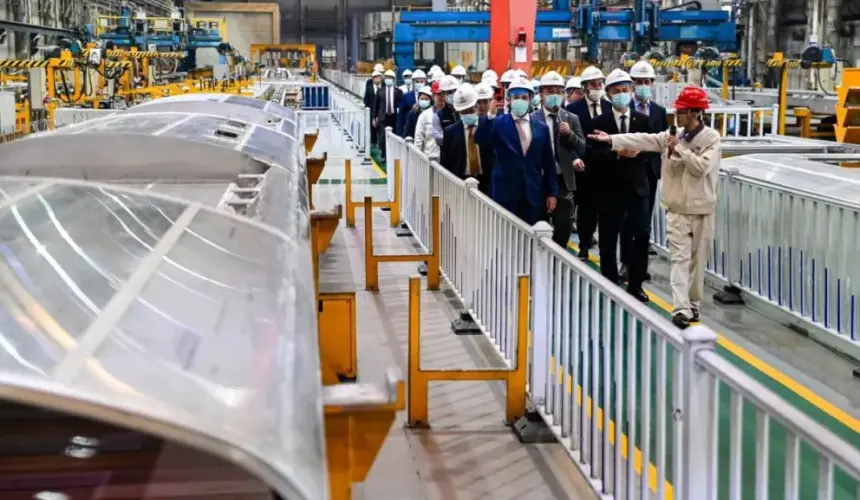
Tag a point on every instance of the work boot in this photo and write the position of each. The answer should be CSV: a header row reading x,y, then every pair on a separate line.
x,y
680,321
695,316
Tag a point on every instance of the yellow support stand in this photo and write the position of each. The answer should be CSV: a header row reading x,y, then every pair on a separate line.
x,y
351,206
323,226
431,260
419,379
848,107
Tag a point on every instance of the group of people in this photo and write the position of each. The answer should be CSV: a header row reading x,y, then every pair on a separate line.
x,y
594,144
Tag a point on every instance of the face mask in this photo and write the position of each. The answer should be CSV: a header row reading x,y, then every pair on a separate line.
x,y
449,99
519,107
643,92
389,81
408,81
377,82
470,119
553,101
595,95
424,103
459,80
418,83
536,100
621,100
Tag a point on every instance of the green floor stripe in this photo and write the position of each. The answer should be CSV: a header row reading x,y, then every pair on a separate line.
x,y
376,155
336,182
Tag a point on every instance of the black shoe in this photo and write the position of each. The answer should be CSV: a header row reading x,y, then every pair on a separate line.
x,y
680,321
640,295
583,255
624,273
695,316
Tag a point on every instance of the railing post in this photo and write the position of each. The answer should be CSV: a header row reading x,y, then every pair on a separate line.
x,y
367,135
466,324
698,417
541,284
731,293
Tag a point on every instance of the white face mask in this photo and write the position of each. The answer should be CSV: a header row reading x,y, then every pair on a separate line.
x,y
595,95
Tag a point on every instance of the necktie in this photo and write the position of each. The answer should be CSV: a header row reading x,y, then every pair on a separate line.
x,y
472,152
594,109
622,129
525,136
643,109
554,119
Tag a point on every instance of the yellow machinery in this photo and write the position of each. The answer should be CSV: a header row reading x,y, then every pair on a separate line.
x,y
298,56
848,107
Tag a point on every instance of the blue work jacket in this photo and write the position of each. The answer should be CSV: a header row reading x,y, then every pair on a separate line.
x,y
406,103
521,182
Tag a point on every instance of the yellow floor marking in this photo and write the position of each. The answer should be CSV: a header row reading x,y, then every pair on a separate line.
x,y
789,383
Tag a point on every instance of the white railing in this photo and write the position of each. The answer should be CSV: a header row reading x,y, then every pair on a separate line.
x,y
351,82
353,120
635,402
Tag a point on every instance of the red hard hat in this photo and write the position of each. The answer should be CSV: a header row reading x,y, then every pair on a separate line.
x,y
692,98
434,87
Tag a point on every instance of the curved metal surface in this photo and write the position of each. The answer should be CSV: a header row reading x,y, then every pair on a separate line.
x,y
151,313
798,174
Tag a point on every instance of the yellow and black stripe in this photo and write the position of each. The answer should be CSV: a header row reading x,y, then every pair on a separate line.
x,y
117,64
28,63
128,54
691,63
788,63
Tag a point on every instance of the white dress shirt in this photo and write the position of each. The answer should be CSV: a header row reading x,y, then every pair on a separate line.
x,y
524,130
549,123
618,115
595,109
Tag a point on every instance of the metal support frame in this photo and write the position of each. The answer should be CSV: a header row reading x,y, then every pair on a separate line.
x,y
432,260
35,29
393,206
418,380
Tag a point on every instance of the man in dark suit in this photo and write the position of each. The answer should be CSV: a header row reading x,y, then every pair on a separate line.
x,y
408,103
621,181
568,144
387,105
587,109
460,152
370,91
643,77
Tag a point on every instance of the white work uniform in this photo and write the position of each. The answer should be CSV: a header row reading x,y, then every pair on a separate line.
x,y
424,139
689,195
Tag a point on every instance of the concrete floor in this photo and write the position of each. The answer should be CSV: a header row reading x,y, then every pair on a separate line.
x,y
468,453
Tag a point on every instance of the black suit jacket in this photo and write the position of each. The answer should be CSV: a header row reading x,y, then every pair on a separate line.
x,y
382,102
370,97
657,122
616,176
452,155
580,109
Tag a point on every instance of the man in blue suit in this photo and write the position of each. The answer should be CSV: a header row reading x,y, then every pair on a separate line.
x,y
408,102
643,79
524,180
587,110
460,152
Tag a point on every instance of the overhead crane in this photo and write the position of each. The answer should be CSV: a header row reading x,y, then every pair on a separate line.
x,y
512,26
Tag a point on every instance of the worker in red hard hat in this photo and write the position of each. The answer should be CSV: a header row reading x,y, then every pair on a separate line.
x,y
691,167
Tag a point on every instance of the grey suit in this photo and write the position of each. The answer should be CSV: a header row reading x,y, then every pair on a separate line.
x,y
568,148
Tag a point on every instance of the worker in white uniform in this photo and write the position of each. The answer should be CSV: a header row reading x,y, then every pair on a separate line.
x,y
691,167
423,138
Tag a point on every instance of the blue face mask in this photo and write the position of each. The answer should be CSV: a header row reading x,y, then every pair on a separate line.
x,y
536,100
424,103
643,92
553,100
519,107
621,100
449,99
470,119
389,81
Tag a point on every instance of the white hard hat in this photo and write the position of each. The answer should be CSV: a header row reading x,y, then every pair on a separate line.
x,y
489,73
465,97
490,82
507,76
378,67
375,73
448,83
407,72
391,73
591,73
458,71
434,69
618,76
521,73
551,79
484,90
536,85
435,76
521,83
418,74
642,69
426,90
573,83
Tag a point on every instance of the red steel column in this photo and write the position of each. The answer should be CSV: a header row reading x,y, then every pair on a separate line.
x,y
506,19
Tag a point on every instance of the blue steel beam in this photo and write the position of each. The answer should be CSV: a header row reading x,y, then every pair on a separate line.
x,y
413,17
416,33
